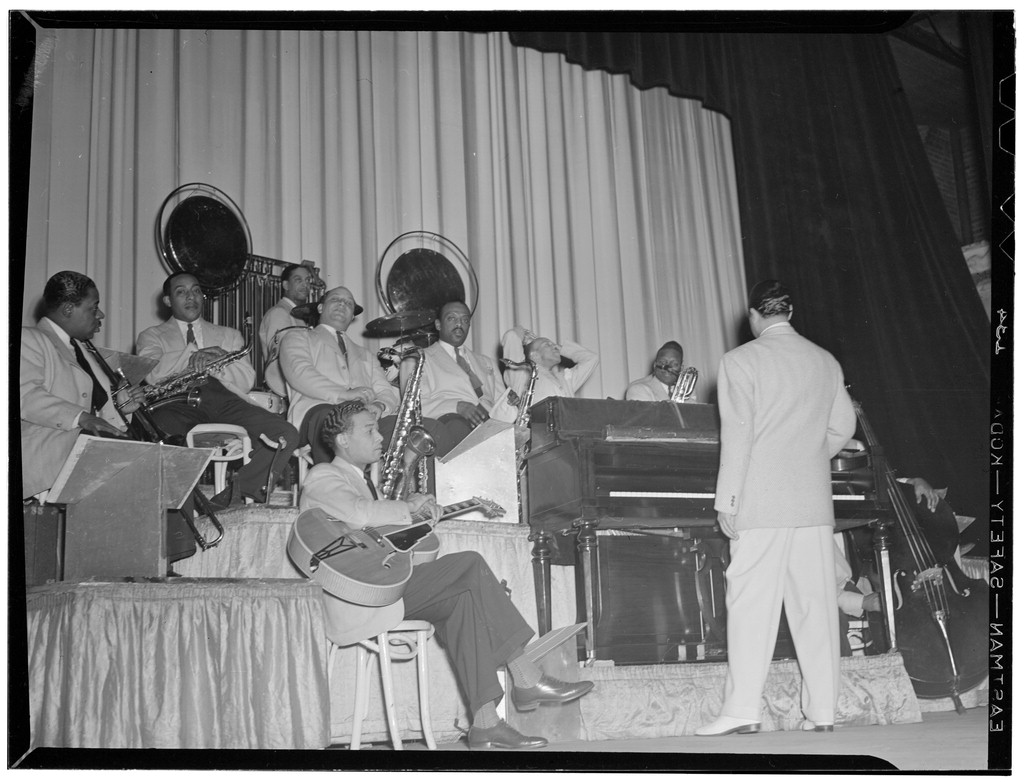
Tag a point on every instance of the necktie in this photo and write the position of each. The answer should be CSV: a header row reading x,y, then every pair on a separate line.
x,y
341,344
190,337
478,387
99,396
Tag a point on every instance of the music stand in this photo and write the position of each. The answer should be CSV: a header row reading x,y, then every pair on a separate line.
x,y
117,493
483,464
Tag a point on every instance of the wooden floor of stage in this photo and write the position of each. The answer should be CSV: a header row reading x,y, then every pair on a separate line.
x,y
943,741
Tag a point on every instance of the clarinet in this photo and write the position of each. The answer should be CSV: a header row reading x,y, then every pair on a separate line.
x,y
145,428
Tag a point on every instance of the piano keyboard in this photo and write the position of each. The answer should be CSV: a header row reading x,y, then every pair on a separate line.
x,y
690,495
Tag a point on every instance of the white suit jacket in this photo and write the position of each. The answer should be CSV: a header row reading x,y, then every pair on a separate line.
x,y
785,413
276,318
317,372
55,390
564,383
647,389
167,344
340,489
444,383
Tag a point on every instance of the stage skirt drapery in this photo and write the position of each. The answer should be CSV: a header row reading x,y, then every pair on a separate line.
x,y
219,663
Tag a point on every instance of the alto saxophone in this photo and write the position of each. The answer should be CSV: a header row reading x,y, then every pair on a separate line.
x,y
185,386
410,443
684,385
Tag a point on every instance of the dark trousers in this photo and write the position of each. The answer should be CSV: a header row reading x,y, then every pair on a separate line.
x,y
448,431
474,620
219,405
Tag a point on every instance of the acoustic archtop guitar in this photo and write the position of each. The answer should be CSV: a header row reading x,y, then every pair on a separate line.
x,y
369,566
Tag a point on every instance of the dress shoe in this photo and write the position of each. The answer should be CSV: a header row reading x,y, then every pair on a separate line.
x,y
723,726
503,736
222,500
548,690
809,726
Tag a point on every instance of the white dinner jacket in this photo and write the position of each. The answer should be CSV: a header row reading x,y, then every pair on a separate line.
x,y
444,383
54,391
276,318
166,343
316,371
785,413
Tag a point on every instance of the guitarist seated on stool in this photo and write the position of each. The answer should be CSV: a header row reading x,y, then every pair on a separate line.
x,y
473,617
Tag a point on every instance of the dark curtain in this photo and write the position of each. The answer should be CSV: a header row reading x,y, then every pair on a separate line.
x,y
837,199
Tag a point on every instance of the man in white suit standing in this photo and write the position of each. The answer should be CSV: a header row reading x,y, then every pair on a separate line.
x,y
323,366
186,343
785,413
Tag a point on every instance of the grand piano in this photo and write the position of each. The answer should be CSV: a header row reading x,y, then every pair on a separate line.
x,y
624,491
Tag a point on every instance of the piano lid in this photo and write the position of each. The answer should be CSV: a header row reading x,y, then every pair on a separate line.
x,y
622,420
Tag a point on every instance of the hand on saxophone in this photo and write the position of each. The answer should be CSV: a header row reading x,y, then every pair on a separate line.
x,y
130,399
424,503
93,424
201,359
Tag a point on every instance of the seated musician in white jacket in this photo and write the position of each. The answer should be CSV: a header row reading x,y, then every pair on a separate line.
x,y
322,366
295,284
475,621
459,388
60,397
554,378
657,386
186,343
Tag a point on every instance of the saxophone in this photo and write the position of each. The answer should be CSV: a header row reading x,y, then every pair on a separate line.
x,y
684,385
522,423
410,443
185,386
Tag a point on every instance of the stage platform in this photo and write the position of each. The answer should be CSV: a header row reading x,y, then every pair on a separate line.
x,y
627,701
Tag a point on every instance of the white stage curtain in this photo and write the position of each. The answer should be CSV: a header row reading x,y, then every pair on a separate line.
x,y
590,210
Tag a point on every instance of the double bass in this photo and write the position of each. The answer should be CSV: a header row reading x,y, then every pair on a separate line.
x,y
940,615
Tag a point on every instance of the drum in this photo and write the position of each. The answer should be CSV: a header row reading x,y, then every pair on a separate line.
x,y
268,401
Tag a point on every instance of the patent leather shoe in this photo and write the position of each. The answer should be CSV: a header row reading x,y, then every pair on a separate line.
x,y
725,726
809,726
548,690
503,736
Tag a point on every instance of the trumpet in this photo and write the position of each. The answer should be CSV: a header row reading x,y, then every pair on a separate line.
x,y
684,385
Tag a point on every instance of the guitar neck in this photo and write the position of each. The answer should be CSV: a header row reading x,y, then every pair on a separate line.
x,y
448,511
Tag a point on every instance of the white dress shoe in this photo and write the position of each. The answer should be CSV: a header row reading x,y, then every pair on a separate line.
x,y
824,727
723,726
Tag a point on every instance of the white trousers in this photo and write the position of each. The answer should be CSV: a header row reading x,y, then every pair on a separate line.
x,y
770,567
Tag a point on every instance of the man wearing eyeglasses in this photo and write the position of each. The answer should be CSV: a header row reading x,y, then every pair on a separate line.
x,y
657,386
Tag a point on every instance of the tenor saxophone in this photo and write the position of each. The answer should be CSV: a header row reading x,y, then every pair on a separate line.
x,y
185,386
410,443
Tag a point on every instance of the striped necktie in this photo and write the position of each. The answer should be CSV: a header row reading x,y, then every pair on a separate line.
x,y
190,336
478,387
